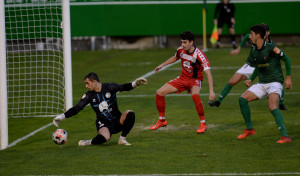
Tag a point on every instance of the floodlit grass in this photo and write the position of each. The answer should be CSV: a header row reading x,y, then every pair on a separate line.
x,y
176,149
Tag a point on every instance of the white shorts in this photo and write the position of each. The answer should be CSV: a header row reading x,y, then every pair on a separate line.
x,y
261,90
246,70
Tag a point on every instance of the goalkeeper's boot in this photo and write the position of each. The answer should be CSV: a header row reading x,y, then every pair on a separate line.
x,y
246,133
214,103
85,142
159,123
122,141
284,139
202,128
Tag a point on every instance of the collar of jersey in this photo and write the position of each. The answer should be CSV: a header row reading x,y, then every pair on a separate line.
x,y
191,52
264,45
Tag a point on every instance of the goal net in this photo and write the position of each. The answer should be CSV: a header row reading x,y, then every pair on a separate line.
x,y
34,58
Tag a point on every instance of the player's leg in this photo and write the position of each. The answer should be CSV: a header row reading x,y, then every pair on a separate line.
x,y
245,109
220,29
236,78
195,90
127,121
232,36
241,74
102,136
161,104
273,99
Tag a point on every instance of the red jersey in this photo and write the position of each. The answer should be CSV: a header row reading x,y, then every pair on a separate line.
x,y
193,64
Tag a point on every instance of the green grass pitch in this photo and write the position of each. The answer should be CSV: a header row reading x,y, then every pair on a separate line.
x,y
176,149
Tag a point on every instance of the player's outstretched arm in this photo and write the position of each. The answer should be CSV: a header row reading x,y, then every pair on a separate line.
x,y
244,40
169,61
72,111
58,119
236,51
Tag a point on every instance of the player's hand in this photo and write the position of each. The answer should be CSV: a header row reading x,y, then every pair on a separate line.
x,y
103,106
212,96
158,68
236,51
288,82
139,82
248,83
58,119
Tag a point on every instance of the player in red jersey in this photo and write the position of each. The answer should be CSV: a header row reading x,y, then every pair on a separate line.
x,y
193,62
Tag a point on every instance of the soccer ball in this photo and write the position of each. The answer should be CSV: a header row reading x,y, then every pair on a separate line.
x,y
60,136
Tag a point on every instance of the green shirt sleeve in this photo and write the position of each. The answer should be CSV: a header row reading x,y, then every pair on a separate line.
x,y
287,61
254,74
244,40
282,56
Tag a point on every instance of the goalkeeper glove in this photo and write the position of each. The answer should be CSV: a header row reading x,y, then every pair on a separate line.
x,y
138,82
58,119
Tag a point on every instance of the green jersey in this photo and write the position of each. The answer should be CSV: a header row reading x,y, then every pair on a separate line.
x,y
267,62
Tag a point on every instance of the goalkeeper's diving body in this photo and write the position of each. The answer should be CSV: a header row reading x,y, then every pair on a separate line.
x,y
103,100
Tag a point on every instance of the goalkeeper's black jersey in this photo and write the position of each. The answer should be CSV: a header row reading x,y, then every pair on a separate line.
x,y
224,11
108,93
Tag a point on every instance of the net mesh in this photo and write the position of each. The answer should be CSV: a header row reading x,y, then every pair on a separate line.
x,y
35,65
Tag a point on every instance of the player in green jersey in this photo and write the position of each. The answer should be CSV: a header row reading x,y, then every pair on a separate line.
x,y
265,57
244,72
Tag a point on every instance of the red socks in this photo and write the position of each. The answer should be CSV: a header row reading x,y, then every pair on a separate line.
x,y
199,107
161,105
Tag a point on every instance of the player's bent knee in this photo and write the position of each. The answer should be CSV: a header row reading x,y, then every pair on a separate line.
x,y
130,118
107,137
159,92
236,79
272,107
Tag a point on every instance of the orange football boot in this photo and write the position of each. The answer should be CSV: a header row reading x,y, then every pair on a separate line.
x,y
284,139
246,133
159,123
202,128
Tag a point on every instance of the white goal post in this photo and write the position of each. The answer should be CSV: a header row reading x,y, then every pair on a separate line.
x,y
35,60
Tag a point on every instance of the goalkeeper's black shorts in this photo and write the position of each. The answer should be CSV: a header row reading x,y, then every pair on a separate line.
x,y
113,126
227,21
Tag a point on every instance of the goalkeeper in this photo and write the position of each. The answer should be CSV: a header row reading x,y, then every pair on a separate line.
x,y
103,100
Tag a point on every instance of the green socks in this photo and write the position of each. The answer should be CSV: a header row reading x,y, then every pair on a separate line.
x,y
279,121
245,110
227,88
